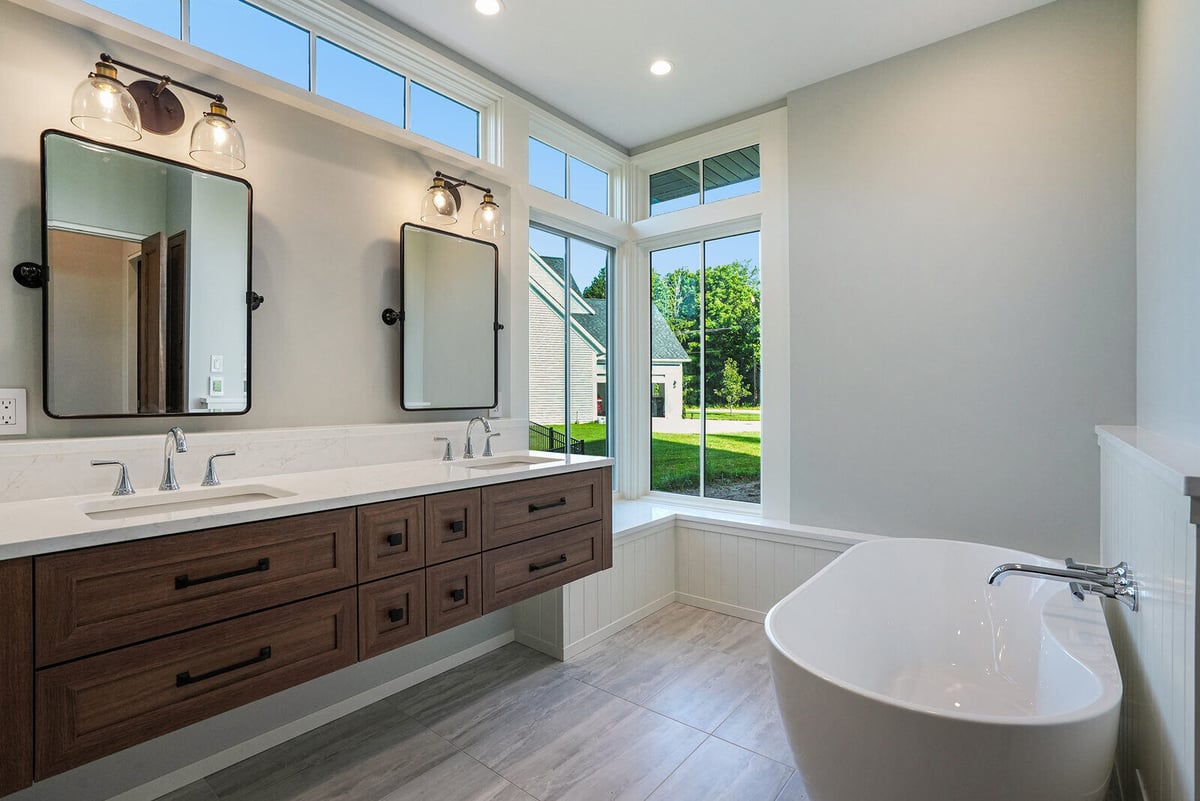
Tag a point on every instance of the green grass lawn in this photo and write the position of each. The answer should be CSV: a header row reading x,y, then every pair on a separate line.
x,y
718,413
675,458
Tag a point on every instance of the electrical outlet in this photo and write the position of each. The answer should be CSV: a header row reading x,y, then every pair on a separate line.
x,y
12,412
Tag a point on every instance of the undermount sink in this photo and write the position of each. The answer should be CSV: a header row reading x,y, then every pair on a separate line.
x,y
508,462
158,503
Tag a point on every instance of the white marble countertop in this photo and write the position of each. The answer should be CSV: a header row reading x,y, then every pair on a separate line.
x,y
1176,461
46,525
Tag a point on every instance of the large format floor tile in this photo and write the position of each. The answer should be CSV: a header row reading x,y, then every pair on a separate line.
x,y
678,706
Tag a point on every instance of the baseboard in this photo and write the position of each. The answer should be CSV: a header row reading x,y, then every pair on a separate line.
x,y
550,649
579,646
753,615
263,742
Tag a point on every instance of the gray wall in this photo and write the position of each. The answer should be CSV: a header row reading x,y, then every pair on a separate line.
x,y
962,287
1168,217
328,205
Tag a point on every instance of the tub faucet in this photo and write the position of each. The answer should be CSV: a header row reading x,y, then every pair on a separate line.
x,y
175,438
468,451
1111,582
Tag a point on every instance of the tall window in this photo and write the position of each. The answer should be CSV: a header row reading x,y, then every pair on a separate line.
x,y
705,369
569,314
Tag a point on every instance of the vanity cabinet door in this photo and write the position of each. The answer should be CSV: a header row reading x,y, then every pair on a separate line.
x,y
521,571
452,594
95,599
521,510
452,525
391,538
96,706
391,613
16,675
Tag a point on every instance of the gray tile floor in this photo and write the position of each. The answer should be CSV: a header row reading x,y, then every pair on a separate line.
x,y
677,706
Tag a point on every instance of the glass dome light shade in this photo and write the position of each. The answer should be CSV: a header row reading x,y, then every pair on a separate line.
x,y
103,107
216,141
438,205
487,221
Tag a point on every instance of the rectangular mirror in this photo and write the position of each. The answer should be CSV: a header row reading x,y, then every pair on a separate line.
x,y
145,308
449,320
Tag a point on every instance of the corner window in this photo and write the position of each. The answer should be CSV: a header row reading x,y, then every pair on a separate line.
x,y
566,176
705,369
707,181
569,322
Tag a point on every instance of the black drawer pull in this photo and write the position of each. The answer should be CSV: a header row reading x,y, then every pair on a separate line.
x,y
395,615
533,507
458,526
183,582
558,561
395,540
458,595
185,678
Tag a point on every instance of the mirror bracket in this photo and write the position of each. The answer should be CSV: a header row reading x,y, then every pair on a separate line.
x,y
254,299
29,275
391,316
499,326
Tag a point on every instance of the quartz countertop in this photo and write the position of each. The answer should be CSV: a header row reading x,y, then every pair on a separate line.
x,y
46,525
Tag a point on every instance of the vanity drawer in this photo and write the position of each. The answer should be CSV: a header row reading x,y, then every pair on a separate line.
x,y
452,525
95,599
96,706
521,571
16,674
452,594
391,538
526,509
391,613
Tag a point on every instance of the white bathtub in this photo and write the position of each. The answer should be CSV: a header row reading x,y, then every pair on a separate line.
x,y
902,675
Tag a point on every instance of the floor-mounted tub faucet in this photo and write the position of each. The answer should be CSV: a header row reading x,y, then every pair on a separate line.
x,y
1110,582
468,451
176,439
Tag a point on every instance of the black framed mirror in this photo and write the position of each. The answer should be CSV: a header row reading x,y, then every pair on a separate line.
x,y
449,320
146,301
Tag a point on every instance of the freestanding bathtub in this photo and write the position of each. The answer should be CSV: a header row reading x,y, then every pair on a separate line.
x,y
902,676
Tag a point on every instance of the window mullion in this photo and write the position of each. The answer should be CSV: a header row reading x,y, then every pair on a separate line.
x,y
703,403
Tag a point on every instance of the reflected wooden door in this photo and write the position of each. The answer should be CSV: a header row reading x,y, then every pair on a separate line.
x,y
176,323
152,331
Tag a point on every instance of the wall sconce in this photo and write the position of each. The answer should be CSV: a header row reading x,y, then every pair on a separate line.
x,y
442,201
105,107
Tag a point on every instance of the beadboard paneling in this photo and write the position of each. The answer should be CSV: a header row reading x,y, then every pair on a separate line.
x,y
571,619
730,570
1146,521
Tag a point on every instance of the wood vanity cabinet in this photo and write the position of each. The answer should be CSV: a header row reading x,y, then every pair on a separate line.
x,y
106,647
16,674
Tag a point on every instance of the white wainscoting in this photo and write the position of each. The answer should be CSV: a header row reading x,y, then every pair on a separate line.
x,y
1147,520
737,568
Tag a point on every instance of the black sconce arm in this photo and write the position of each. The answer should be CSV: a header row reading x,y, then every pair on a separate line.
x,y
163,80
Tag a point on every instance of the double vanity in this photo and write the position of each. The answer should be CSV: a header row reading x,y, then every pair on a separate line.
x,y
124,618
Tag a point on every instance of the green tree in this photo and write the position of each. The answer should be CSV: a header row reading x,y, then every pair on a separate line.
x,y
598,289
731,390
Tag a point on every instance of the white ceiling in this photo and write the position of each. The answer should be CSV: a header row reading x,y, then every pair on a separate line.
x,y
590,58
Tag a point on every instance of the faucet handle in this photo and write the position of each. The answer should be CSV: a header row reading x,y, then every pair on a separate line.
x,y
123,485
448,456
487,447
210,473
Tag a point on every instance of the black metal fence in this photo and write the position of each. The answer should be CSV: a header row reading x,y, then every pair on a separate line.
x,y
544,438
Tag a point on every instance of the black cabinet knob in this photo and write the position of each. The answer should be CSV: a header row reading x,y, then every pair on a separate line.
x,y
395,615
458,595
395,540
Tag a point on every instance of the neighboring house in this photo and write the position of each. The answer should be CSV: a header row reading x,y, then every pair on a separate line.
x,y
589,352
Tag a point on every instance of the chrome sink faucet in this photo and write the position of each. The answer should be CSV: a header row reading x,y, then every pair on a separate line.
x,y
468,450
1110,582
175,438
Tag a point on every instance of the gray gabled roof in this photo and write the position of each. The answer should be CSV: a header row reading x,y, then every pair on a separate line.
x,y
663,344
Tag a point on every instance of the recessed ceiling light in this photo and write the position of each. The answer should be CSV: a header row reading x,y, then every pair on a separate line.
x,y
489,7
661,66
